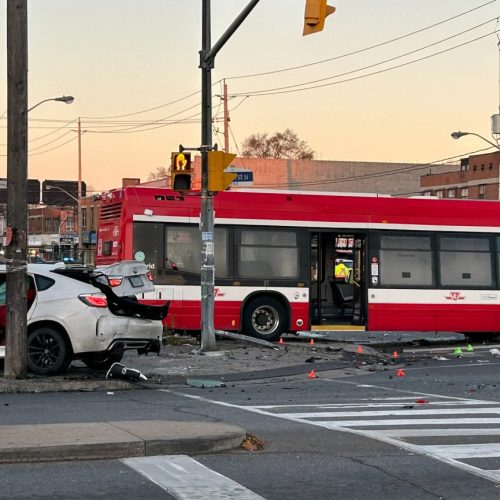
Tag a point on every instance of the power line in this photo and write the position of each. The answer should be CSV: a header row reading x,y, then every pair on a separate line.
x,y
401,37
292,88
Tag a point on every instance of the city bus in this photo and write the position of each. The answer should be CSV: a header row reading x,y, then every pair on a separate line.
x,y
411,264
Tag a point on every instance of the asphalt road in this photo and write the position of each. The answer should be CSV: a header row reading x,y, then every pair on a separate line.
x,y
336,436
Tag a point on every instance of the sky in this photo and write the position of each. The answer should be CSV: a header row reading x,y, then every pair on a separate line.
x,y
378,84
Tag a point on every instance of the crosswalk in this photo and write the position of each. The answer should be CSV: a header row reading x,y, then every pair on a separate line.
x,y
464,433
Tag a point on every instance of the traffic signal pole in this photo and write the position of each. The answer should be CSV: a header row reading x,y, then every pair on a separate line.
x,y
207,59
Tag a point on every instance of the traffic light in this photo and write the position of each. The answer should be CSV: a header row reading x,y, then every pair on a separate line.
x,y
218,180
180,172
315,14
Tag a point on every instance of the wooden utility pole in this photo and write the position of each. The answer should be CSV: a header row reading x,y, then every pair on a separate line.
x,y
16,358
226,120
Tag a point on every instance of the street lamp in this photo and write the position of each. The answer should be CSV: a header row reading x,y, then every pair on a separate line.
x,y
63,190
48,187
457,135
68,99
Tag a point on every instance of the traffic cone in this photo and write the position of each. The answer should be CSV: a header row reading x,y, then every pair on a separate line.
x,y
281,341
395,355
311,342
312,374
359,349
400,373
469,348
457,351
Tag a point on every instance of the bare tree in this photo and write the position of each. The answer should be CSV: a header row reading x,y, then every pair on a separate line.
x,y
159,173
285,145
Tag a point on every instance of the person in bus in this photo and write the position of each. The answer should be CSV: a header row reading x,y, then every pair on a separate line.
x,y
341,270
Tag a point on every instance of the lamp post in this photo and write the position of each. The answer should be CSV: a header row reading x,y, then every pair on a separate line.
x,y
77,219
68,99
457,135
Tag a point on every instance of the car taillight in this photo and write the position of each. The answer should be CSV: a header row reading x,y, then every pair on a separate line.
x,y
94,299
115,281
150,276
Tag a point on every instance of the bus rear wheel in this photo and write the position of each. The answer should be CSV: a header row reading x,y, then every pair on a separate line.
x,y
265,318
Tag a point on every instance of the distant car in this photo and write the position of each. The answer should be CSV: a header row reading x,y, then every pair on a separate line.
x,y
88,314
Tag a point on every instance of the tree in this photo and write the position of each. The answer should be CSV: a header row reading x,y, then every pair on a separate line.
x,y
285,145
159,173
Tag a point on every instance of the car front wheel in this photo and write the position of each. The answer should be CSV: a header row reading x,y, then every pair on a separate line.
x,y
48,351
265,318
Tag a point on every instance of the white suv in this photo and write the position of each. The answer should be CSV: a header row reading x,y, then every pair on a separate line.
x,y
88,314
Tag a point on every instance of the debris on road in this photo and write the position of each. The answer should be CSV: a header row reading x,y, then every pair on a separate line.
x,y
118,370
252,443
204,383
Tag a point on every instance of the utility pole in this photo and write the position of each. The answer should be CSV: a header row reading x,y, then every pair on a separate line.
x,y
207,59
16,357
226,120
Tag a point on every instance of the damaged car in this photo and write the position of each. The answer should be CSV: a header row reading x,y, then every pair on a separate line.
x,y
90,314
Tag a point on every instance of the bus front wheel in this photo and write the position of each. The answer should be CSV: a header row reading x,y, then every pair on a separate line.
x,y
265,318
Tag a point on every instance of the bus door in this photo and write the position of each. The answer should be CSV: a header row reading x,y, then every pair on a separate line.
x,y
338,294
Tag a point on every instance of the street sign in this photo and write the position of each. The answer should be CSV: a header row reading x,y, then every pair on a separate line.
x,y
244,177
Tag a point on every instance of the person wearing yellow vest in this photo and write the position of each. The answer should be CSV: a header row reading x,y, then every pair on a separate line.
x,y
341,271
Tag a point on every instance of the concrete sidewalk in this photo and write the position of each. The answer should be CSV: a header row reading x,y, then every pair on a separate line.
x,y
112,440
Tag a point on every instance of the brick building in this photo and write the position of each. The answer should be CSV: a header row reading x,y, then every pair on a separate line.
x,y
341,176
477,178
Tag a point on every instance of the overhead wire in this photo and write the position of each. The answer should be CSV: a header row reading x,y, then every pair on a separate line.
x,y
401,37
293,88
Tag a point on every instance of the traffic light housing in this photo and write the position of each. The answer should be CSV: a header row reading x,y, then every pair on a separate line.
x,y
180,171
315,14
218,180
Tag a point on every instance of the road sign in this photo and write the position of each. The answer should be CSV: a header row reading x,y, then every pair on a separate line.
x,y
244,177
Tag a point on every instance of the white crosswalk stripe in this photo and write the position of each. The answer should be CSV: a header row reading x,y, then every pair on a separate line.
x,y
463,424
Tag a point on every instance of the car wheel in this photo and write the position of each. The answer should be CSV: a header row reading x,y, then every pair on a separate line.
x,y
98,362
48,351
265,318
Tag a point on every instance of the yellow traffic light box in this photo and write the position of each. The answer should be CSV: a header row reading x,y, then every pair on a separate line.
x,y
218,180
180,171
315,14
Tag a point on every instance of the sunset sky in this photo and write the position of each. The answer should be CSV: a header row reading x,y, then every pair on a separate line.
x,y
132,67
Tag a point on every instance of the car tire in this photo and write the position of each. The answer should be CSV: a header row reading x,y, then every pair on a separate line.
x,y
98,362
265,318
49,352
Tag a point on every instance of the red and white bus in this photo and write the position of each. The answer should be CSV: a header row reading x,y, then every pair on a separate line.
x,y
414,264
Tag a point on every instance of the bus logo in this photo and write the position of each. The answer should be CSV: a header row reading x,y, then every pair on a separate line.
x,y
455,296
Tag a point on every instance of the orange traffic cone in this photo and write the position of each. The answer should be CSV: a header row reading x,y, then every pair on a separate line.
x,y
395,355
311,342
400,373
359,349
281,341
312,374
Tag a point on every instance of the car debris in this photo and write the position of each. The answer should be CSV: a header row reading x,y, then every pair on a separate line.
x,y
118,370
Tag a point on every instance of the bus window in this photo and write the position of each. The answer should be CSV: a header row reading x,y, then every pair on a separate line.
x,y
406,261
183,249
268,254
465,262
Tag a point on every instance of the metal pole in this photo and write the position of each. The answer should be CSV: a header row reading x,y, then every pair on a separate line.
x,y
16,357
207,215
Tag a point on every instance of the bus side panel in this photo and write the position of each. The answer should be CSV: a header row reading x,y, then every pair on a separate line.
x,y
469,318
402,317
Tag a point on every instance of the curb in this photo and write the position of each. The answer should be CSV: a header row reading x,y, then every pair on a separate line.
x,y
114,440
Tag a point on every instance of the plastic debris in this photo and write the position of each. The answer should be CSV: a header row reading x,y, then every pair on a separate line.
x,y
495,352
422,401
118,370
441,358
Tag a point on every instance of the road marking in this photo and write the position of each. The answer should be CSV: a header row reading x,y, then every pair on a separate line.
x,y
185,478
483,450
468,431
390,436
